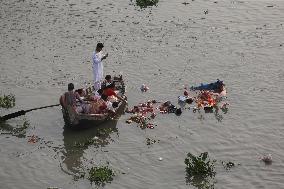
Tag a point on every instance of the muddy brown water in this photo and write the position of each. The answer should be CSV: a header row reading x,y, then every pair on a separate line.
x,y
47,44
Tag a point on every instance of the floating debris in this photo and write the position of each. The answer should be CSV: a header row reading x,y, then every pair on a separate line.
x,y
145,112
142,121
267,159
150,141
224,107
33,139
228,165
144,88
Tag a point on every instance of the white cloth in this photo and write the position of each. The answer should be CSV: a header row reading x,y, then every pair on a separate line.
x,y
97,69
109,106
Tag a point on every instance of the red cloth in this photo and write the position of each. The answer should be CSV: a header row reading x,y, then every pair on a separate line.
x,y
109,92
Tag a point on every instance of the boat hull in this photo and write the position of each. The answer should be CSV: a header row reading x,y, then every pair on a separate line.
x,y
80,121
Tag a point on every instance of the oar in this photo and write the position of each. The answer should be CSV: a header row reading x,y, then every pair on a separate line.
x,y
23,112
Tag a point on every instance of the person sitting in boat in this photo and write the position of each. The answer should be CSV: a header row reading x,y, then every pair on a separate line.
x,y
82,93
101,106
70,98
107,81
96,95
110,92
222,90
220,93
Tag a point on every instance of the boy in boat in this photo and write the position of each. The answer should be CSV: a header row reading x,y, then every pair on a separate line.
x,y
70,98
107,81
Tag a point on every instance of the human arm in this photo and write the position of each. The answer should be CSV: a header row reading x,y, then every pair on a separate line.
x,y
120,98
77,96
62,101
105,56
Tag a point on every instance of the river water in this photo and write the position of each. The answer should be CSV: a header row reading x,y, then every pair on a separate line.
x,y
47,44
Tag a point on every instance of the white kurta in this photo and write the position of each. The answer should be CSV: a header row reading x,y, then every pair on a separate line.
x,y
97,69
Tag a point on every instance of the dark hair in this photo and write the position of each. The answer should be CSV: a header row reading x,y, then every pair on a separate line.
x,y
100,45
115,104
79,91
104,97
108,77
189,100
111,85
70,86
100,91
178,112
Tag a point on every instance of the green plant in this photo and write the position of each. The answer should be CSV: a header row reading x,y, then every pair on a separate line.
x,y
146,3
200,170
7,101
101,175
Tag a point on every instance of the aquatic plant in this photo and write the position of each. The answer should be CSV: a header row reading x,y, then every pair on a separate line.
x,y
101,175
7,101
146,3
199,165
200,170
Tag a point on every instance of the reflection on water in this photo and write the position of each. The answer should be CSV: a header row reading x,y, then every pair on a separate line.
x,y
77,141
18,131
216,111
217,115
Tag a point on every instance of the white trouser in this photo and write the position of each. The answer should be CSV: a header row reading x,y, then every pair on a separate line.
x,y
97,85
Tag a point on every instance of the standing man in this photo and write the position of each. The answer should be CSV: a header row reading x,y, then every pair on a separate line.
x,y
98,66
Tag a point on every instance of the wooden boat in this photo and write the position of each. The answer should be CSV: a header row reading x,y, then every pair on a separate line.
x,y
81,120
